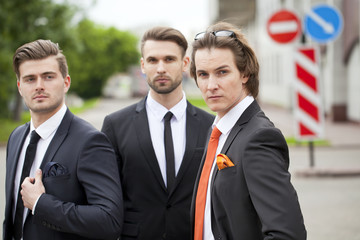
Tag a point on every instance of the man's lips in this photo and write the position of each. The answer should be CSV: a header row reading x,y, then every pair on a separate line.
x,y
40,97
162,78
214,97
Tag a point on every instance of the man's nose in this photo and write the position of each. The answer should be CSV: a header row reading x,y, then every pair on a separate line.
x,y
161,67
39,84
212,82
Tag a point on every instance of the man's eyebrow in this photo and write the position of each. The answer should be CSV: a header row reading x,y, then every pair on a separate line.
x,y
216,69
48,72
150,57
28,76
221,67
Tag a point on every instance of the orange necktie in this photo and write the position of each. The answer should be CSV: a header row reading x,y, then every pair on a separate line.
x,y
203,184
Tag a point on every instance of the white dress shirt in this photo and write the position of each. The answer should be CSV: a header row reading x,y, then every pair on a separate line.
x,y
46,131
155,113
224,124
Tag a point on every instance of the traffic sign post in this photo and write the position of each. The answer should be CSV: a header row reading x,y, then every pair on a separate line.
x,y
283,26
323,23
308,109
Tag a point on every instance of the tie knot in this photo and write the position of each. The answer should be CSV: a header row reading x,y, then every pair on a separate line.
x,y
168,116
215,133
34,137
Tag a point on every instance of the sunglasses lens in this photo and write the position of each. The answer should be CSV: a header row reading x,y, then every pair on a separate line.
x,y
199,35
224,33
221,33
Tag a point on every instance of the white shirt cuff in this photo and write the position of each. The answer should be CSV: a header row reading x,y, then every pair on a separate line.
x,y
33,210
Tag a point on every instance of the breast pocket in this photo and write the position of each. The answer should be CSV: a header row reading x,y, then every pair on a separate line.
x,y
225,181
59,186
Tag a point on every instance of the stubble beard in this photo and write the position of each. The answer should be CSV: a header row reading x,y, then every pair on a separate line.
x,y
41,108
162,88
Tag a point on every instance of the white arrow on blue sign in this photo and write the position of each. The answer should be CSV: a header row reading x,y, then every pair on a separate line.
x,y
323,23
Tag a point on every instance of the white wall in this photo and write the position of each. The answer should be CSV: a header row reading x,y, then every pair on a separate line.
x,y
353,75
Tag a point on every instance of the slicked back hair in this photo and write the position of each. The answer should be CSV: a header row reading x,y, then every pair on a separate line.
x,y
165,34
37,50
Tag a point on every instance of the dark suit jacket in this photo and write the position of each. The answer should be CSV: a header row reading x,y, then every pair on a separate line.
x,y
254,199
85,203
150,211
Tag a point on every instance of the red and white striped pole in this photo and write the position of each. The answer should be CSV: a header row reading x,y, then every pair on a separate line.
x,y
308,103
308,107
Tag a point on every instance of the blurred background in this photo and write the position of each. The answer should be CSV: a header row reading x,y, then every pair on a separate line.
x,y
100,39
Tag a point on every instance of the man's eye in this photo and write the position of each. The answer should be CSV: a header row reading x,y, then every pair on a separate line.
x,y
29,79
202,75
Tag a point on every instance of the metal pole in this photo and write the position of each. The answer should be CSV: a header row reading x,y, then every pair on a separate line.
x,y
311,151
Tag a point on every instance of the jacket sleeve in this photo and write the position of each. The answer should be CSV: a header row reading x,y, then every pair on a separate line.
x,y
99,214
274,198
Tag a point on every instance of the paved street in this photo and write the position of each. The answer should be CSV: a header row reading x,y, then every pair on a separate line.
x,y
331,205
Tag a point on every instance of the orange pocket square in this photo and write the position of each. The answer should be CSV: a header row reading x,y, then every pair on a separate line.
x,y
223,161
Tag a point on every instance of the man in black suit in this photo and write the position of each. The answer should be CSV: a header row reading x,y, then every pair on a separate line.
x,y
157,192
243,189
71,182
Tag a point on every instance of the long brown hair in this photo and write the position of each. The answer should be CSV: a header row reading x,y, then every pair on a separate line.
x,y
244,55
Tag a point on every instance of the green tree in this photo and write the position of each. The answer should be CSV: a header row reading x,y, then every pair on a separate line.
x,y
103,52
23,21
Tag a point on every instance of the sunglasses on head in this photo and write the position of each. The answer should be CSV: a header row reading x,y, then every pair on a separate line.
x,y
220,33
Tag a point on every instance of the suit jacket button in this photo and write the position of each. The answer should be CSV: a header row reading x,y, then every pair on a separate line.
x,y
43,223
168,206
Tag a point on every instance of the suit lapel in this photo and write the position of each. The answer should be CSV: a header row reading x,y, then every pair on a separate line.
x,y
192,131
192,207
12,164
17,150
240,124
59,137
144,138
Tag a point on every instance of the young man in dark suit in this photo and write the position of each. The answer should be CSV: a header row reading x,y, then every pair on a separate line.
x,y
158,179
62,180
243,189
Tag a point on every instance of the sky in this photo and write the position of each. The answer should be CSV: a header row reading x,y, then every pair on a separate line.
x,y
188,16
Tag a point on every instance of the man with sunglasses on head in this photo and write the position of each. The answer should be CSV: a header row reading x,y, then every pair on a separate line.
x,y
159,142
243,188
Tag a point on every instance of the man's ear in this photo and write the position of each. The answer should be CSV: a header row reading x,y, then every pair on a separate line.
x,y
67,83
186,61
244,79
142,65
19,87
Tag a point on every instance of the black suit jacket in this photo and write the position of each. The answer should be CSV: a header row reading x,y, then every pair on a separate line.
x,y
150,211
85,203
254,199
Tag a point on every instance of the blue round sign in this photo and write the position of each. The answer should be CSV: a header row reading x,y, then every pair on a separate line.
x,y
323,23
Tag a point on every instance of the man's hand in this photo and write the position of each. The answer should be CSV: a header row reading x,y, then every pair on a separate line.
x,y
31,189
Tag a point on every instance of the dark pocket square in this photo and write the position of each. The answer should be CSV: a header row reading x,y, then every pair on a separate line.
x,y
53,169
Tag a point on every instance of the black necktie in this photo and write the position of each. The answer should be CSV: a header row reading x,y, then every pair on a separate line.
x,y
169,152
29,159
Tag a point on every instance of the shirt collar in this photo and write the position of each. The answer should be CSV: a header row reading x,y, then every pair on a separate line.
x,y
50,125
159,110
226,123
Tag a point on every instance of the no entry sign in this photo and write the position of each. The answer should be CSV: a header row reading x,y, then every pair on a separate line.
x,y
283,26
